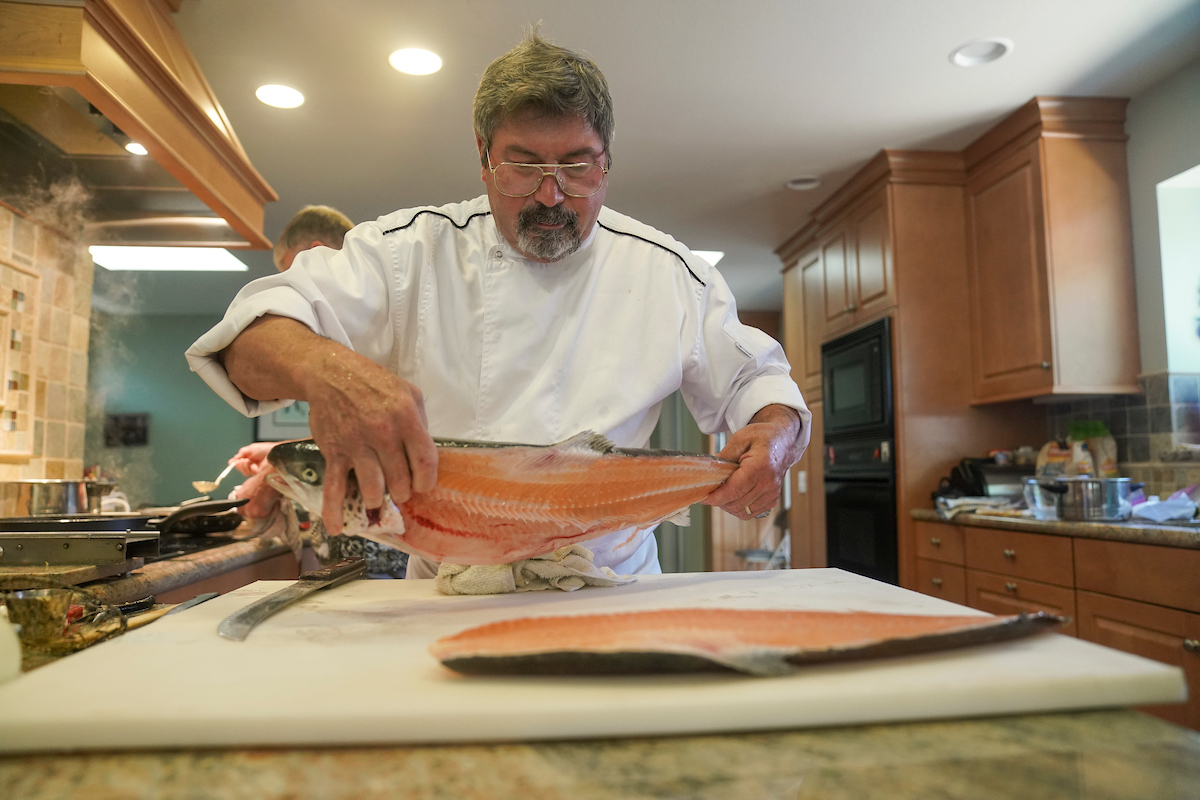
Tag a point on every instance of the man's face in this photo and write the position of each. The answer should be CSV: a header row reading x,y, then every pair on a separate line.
x,y
547,225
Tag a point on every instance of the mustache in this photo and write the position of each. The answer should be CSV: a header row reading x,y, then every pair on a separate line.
x,y
552,215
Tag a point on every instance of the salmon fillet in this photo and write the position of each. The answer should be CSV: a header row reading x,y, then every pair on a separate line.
x,y
496,503
695,639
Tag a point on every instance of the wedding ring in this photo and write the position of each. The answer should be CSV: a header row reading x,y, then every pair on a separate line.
x,y
748,514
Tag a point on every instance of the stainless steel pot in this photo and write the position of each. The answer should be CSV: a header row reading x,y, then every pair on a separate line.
x,y
33,498
1086,499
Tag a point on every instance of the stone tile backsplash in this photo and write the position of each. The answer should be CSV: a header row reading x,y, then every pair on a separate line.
x,y
1147,428
59,368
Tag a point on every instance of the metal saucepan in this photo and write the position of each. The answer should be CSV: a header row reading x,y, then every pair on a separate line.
x,y
1085,499
119,522
33,498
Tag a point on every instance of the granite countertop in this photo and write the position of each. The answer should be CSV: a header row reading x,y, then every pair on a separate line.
x,y
1140,533
1100,755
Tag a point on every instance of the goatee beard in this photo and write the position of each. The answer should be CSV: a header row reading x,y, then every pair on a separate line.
x,y
543,244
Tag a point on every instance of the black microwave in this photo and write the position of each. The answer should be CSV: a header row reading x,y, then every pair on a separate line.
x,y
856,382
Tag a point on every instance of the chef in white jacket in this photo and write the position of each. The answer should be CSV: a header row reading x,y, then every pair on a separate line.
x,y
526,315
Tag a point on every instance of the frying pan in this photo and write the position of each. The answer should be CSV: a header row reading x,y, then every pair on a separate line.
x,y
118,522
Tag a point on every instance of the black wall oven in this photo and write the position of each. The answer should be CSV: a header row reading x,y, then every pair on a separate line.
x,y
859,455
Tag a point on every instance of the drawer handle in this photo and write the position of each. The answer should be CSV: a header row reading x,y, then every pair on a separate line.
x,y
1010,587
1191,645
935,541
1010,553
938,582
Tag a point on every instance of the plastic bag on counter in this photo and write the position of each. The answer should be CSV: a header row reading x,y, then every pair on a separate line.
x,y
1101,446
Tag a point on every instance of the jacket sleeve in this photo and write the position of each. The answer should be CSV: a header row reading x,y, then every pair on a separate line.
x,y
343,295
734,370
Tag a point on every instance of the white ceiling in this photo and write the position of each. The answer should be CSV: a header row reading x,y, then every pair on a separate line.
x,y
718,102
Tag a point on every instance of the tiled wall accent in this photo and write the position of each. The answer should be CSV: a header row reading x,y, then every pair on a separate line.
x,y
1147,428
56,351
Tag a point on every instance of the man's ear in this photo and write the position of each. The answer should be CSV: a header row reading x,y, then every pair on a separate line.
x,y
483,170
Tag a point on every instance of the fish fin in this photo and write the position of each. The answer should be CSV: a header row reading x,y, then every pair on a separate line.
x,y
682,517
587,440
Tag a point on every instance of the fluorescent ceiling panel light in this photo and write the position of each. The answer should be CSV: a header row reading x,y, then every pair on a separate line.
x,y
711,256
136,149
279,96
166,259
981,51
415,61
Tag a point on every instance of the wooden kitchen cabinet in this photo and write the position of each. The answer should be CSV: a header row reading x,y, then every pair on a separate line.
x,y
1038,557
938,579
939,542
856,264
1163,634
803,322
1166,576
1005,594
1050,254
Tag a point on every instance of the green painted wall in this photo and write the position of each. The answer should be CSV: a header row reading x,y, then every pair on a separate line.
x,y
136,365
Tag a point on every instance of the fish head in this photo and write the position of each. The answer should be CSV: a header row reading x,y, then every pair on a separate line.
x,y
300,473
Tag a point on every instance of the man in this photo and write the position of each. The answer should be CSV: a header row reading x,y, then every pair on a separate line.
x,y
526,315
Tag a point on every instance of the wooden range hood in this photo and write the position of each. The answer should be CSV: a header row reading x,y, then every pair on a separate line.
x,y
129,62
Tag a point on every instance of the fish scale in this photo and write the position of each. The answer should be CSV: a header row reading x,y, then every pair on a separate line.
x,y
495,502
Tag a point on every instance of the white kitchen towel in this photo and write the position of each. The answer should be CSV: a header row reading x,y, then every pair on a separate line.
x,y
567,568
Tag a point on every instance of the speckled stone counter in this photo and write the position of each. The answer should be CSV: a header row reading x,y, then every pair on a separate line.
x,y
1106,755
1165,535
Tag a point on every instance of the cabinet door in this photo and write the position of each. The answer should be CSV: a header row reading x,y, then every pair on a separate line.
x,y
1003,594
812,279
1036,556
835,253
1163,634
946,581
873,287
938,541
1006,269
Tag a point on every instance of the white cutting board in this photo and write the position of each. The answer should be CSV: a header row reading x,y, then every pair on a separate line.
x,y
350,666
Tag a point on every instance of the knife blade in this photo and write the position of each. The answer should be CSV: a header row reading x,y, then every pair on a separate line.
x,y
237,626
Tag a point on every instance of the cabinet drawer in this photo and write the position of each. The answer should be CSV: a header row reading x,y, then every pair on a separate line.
x,y
1168,576
939,541
1003,594
946,581
1038,557
1163,634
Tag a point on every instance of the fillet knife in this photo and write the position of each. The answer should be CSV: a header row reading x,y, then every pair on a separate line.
x,y
237,626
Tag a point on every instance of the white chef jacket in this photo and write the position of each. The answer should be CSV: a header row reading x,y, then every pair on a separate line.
x,y
508,349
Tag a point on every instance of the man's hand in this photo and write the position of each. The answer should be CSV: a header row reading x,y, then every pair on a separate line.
x,y
764,449
362,417
252,458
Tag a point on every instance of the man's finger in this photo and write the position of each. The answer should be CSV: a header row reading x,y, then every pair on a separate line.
x,y
332,498
370,480
396,476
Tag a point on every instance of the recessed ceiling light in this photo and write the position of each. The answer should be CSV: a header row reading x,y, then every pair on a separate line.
x,y
166,259
981,51
803,183
415,61
279,96
711,256
136,149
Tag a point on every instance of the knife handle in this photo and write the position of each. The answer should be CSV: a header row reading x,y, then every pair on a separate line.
x,y
339,572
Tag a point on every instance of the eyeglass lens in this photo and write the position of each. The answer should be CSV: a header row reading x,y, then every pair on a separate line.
x,y
576,180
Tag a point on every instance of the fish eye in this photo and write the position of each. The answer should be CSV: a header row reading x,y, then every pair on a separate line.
x,y
308,475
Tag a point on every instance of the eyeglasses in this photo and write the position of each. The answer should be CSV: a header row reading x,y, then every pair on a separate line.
x,y
522,180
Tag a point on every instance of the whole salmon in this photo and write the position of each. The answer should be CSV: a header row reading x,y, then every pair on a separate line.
x,y
495,503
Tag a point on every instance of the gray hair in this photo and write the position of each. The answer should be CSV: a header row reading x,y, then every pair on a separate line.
x,y
540,75
310,225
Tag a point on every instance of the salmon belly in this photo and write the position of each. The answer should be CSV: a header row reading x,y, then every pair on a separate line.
x,y
765,642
